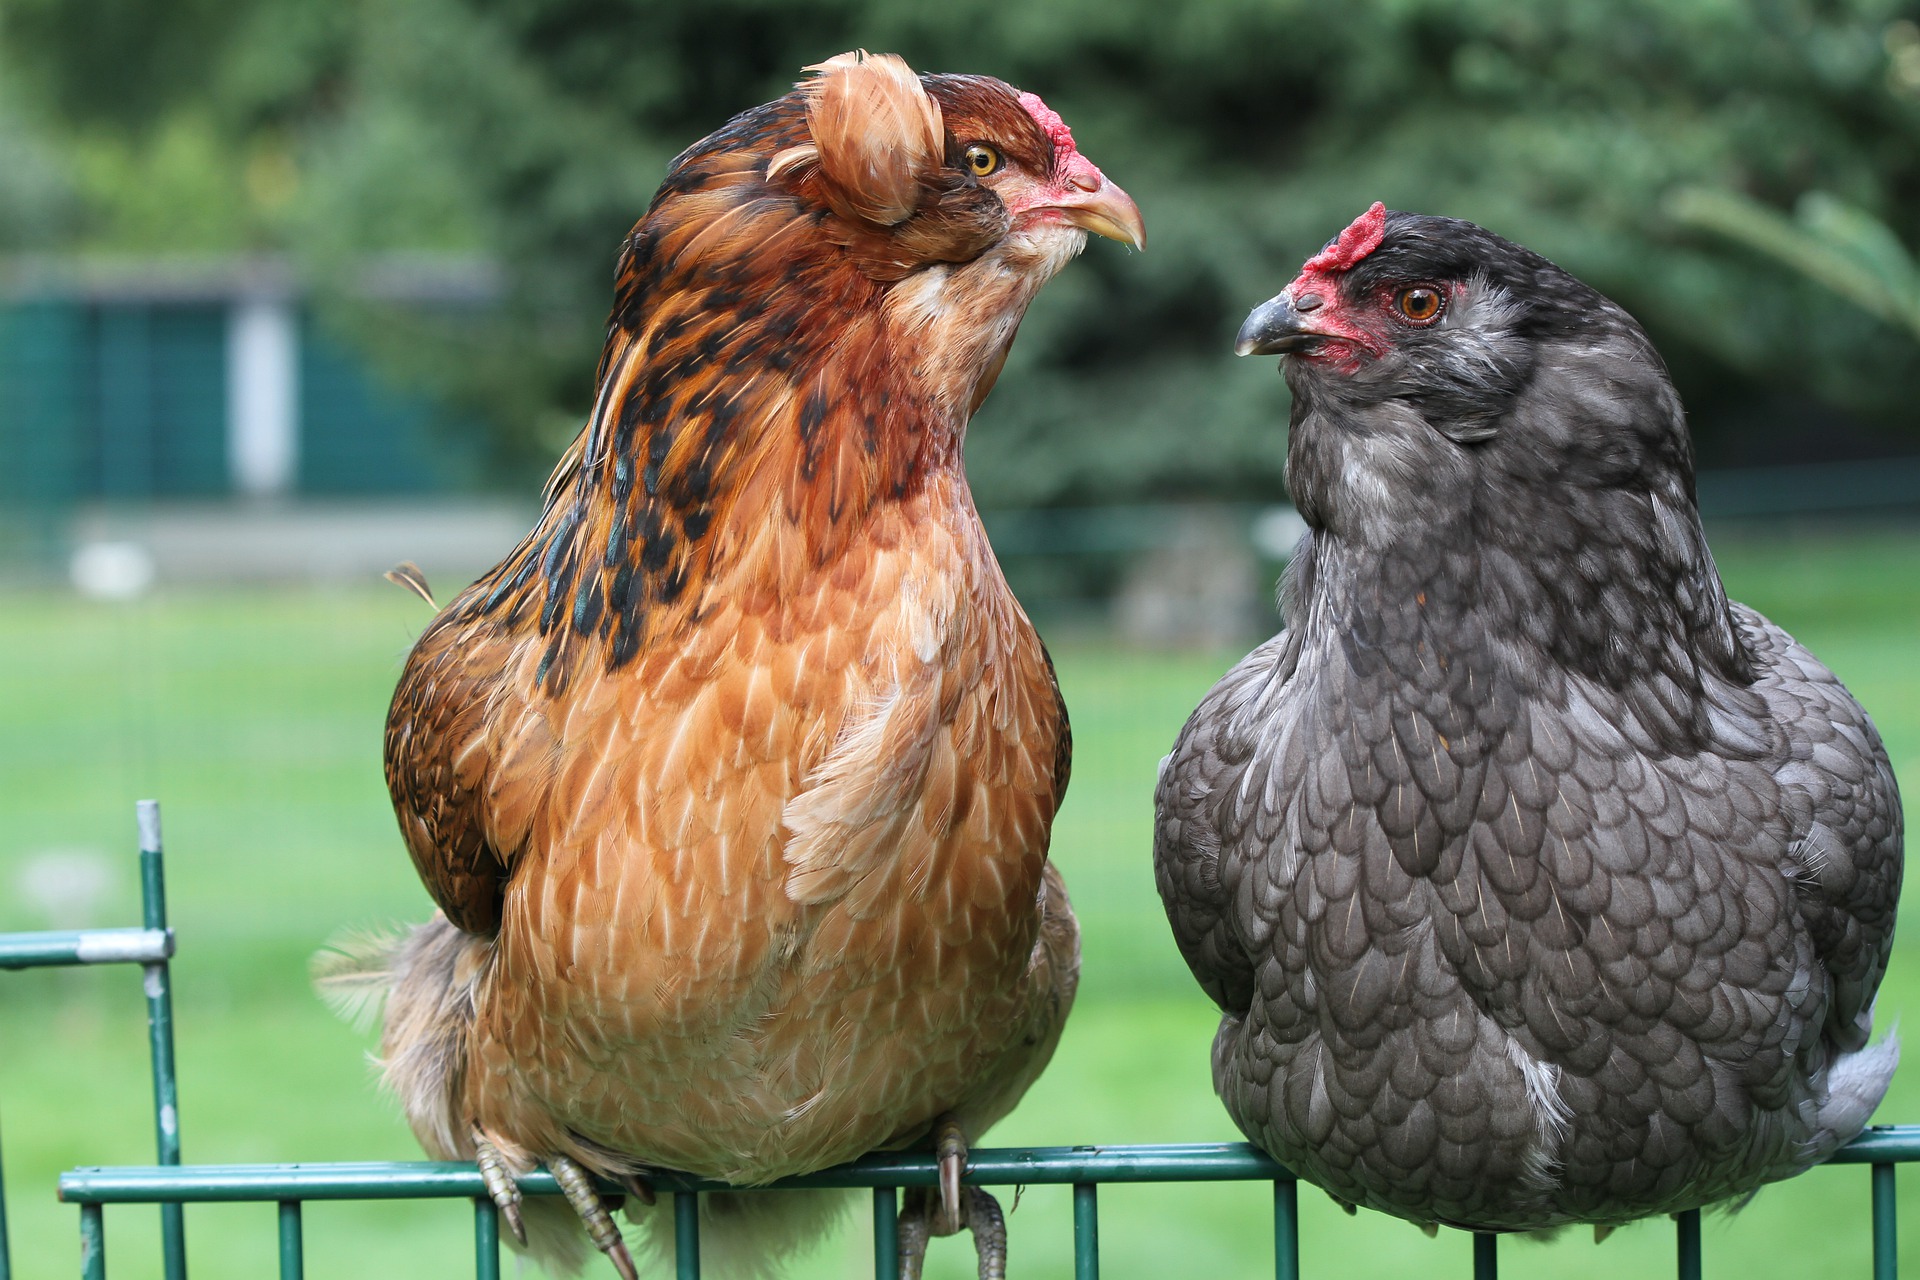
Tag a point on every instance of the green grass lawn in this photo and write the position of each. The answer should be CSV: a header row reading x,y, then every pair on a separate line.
x,y
255,718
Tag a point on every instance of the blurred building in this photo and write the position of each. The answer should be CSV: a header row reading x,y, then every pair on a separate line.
x,y
193,420
209,378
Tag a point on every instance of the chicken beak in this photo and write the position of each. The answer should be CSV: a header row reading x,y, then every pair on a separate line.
x,y
1103,209
1275,327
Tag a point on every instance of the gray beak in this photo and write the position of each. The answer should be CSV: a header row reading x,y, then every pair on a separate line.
x,y
1275,327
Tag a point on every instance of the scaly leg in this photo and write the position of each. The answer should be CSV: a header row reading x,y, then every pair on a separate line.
x,y
916,1231
500,1184
989,1229
920,1221
578,1186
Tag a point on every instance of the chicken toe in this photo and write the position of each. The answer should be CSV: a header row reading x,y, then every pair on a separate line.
x,y
577,1184
915,1232
498,1179
923,1216
989,1227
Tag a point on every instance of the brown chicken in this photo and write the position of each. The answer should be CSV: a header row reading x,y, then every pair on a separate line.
x,y
734,781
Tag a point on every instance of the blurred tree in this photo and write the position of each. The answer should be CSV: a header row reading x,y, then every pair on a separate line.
x,y
1846,249
1249,131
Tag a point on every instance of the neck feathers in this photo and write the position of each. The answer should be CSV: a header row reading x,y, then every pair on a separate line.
x,y
749,386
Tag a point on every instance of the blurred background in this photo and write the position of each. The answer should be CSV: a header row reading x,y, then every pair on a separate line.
x,y
291,291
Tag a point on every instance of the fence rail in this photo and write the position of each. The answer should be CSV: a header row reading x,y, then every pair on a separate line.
x,y
172,1186
1085,1169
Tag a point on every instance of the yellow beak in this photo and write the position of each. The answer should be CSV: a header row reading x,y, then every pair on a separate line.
x,y
1105,210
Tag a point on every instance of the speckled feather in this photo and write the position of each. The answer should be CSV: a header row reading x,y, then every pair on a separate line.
x,y
1537,883
739,772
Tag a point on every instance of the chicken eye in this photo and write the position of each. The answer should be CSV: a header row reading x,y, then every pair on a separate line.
x,y
1420,304
982,160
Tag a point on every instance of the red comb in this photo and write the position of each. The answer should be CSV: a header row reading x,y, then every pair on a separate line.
x,y
1049,121
1362,237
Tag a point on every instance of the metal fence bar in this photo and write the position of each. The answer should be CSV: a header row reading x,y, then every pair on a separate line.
x,y
1003,1166
1080,1167
1686,1231
1886,1241
159,986
83,946
1486,1256
886,1233
427,1180
1286,1229
293,1258
686,1235
93,1243
486,1239
1086,1231
150,947
1882,1144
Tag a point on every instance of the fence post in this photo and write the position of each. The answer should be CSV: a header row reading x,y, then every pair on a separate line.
x,y
159,985
1486,1256
6,1264
486,1239
1286,1229
1686,1230
293,1262
93,1243
686,1235
1086,1231
886,1234
1886,1242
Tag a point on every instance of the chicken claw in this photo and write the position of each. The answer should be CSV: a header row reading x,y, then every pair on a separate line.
x,y
920,1221
580,1193
500,1184
950,1143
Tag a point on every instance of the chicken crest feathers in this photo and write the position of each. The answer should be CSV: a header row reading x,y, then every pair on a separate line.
x,y
877,132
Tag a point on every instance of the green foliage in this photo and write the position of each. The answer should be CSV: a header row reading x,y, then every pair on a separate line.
x,y
1248,130
36,196
1849,251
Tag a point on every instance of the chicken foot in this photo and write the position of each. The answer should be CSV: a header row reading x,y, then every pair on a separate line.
x,y
501,1187
577,1184
980,1213
972,1208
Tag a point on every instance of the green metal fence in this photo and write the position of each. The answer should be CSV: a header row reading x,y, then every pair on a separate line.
x,y
150,947
289,1186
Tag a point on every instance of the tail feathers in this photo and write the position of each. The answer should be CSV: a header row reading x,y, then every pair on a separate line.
x,y
748,1236
422,980
354,973
1855,1084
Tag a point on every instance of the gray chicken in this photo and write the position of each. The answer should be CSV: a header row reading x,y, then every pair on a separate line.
x,y
1537,882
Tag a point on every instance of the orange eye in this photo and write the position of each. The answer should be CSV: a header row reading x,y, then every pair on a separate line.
x,y
1420,304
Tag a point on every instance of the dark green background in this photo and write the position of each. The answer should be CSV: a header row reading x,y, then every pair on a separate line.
x,y
534,131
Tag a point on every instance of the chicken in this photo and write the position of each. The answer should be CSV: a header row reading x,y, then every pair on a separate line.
x,y
734,781
1536,881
